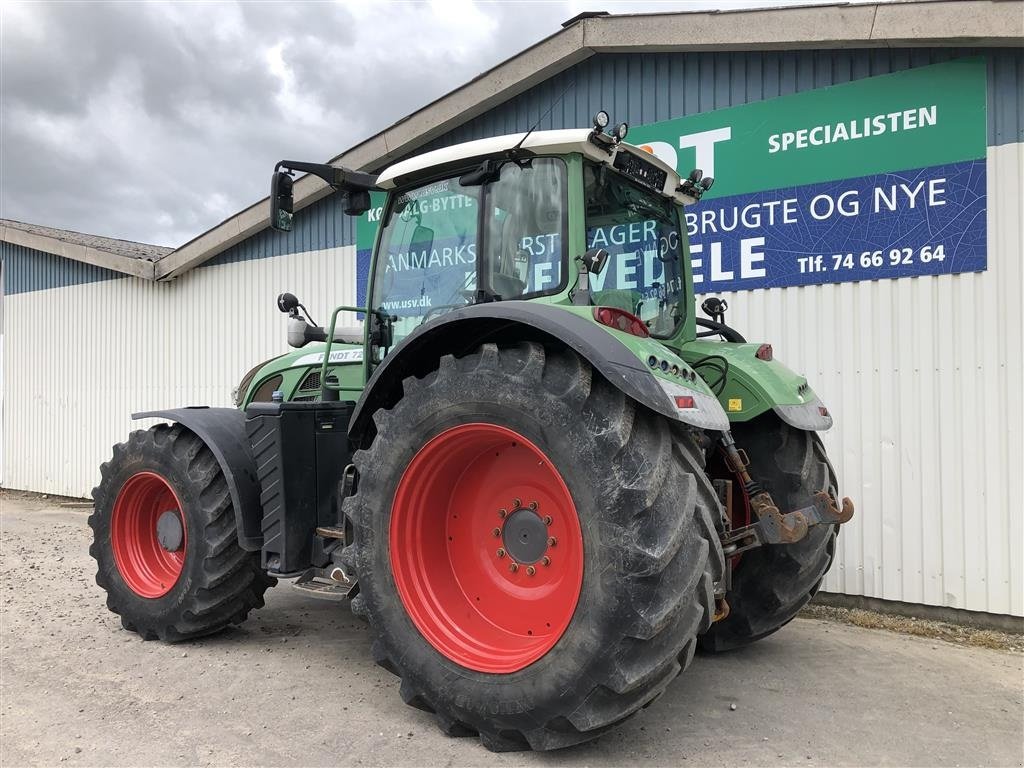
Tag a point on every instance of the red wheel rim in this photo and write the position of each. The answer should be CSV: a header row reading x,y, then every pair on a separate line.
x,y
481,608
147,567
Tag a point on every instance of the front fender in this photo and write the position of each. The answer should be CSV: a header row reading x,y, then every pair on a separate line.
x,y
223,432
463,330
756,386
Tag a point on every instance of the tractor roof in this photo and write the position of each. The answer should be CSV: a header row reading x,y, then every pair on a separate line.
x,y
538,143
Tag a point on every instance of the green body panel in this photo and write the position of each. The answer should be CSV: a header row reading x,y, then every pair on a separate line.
x,y
645,349
757,384
294,366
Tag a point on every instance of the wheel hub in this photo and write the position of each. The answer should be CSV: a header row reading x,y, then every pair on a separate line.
x,y
525,536
169,531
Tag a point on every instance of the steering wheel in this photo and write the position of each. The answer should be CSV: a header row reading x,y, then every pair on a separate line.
x,y
719,329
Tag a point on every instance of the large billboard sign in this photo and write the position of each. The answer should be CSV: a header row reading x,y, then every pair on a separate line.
x,y
879,178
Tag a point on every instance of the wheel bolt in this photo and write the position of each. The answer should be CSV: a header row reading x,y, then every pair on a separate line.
x,y
547,519
516,503
501,552
513,567
545,560
530,570
552,541
496,531
534,505
503,513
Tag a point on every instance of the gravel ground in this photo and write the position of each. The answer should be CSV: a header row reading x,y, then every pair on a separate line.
x,y
297,685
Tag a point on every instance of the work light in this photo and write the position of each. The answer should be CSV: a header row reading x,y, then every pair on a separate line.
x,y
601,120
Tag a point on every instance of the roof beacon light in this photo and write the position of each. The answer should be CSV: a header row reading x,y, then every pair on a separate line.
x,y
601,120
621,131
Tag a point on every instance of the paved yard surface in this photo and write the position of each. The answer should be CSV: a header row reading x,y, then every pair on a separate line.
x,y
296,685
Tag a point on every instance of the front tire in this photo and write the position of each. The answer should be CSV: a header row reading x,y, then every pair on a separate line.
x,y
165,540
772,583
638,514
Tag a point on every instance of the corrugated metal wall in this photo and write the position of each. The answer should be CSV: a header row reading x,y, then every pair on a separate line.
x,y
646,88
924,378
924,375
79,360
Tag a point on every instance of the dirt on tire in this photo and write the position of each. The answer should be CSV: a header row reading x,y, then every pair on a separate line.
x,y
219,582
647,513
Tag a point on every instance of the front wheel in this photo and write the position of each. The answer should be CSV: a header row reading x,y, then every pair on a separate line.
x,y
772,583
535,553
165,540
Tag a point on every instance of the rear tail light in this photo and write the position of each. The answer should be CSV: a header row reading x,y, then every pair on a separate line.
x,y
823,411
764,352
685,402
621,320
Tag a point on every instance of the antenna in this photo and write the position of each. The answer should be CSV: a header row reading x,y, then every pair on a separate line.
x,y
551,106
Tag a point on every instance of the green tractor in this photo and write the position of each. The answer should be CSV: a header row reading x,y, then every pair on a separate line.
x,y
535,472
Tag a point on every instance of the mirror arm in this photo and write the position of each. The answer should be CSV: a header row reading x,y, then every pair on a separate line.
x,y
340,178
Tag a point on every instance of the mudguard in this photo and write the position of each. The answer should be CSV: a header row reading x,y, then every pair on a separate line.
x,y
755,386
223,431
463,330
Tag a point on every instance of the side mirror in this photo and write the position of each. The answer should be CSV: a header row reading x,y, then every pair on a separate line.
x,y
595,260
357,202
281,201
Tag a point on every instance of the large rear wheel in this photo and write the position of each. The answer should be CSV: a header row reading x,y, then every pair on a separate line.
x,y
165,541
771,584
535,553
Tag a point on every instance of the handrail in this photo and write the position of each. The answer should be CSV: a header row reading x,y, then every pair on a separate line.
x,y
324,384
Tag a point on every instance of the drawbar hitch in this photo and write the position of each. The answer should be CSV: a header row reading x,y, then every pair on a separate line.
x,y
772,526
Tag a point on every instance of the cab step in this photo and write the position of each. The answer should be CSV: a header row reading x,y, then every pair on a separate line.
x,y
331,583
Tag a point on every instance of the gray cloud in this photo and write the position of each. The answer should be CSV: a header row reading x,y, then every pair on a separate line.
x,y
155,121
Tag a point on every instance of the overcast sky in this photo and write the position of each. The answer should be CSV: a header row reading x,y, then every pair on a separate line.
x,y
156,121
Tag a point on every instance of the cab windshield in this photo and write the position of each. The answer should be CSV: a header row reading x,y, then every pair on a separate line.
x,y
445,245
640,230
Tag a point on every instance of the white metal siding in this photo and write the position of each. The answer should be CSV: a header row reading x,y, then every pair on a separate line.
x,y
924,376
78,360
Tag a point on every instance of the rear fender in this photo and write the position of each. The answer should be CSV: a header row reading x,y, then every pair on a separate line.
x,y
463,330
223,432
755,386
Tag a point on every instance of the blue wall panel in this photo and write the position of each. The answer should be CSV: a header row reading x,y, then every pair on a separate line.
x,y
26,269
648,87
321,225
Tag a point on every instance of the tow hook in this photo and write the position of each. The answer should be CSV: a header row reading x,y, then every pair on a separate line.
x,y
774,526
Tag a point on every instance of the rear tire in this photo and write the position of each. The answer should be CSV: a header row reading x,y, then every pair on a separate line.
x,y
772,583
209,581
649,549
